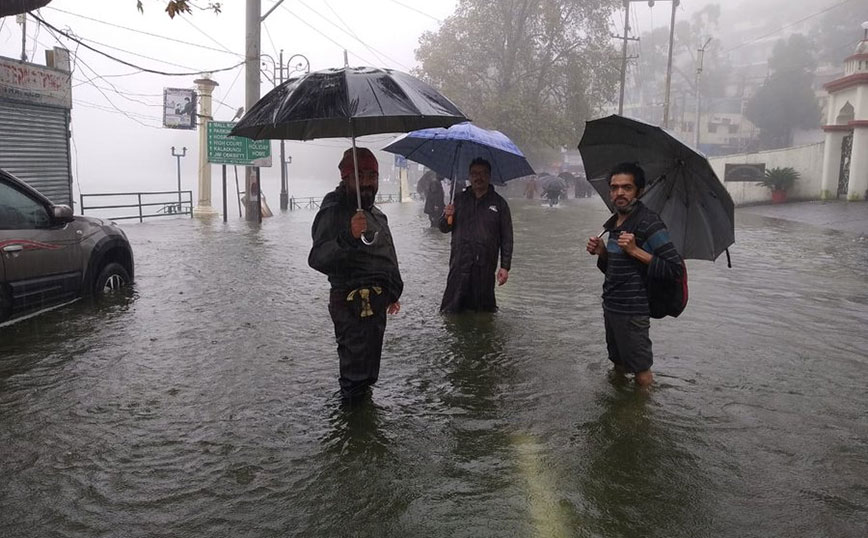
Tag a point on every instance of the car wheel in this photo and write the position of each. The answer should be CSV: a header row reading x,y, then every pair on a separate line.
x,y
112,278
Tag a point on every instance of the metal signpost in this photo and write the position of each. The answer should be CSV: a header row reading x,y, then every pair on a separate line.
x,y
224,149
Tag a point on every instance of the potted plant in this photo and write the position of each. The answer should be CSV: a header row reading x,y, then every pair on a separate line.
x,y
779,180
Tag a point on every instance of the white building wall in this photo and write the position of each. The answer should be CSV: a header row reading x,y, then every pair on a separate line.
x,y
807,160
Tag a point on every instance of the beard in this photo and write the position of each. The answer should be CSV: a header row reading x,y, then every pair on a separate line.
x,y
627,209
368,196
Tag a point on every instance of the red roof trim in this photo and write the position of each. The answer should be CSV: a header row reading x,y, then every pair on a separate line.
x,y
846,82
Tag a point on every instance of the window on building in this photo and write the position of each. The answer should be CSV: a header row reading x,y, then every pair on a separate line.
x,y
712,127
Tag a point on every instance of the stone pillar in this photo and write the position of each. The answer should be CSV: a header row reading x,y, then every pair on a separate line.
x,y
203,209
859,164
831,164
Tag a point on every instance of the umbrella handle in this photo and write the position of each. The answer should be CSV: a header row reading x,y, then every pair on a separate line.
x,y
372,241
365,239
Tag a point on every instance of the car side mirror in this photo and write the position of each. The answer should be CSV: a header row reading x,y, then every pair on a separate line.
x,y
62,214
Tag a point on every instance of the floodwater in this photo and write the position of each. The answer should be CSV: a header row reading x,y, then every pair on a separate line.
x,y
204,404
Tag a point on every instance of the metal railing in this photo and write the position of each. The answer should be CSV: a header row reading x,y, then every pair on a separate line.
x,y
182,204
314,202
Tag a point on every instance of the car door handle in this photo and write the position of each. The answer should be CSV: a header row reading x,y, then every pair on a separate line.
x,y
13,248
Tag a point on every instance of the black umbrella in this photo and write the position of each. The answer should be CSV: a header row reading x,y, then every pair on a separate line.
x,y
347,102
681,186
14,7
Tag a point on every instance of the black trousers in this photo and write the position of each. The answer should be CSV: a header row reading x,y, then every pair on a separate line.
x,y
359,317
469,289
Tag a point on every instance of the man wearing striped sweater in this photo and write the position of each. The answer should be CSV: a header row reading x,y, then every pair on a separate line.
x,y
638,247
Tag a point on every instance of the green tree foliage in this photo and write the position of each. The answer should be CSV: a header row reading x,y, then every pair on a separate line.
x,y
786,100
535,70
178,7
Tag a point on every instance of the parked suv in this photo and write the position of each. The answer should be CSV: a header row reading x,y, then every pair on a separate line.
x,y
49,257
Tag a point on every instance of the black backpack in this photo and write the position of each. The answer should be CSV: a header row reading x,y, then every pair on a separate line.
x,y
667,297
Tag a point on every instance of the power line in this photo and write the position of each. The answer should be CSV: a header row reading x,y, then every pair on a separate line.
x,y
79,59
222,104
760,38
167,38
124,62
268,33
374,51
136,53
411,8
320,32
221,45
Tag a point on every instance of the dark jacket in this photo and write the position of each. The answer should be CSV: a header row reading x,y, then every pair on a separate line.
x,y
347,262
434,198
625,287
481,228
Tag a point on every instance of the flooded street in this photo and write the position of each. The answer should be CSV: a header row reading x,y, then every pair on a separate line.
x,y
205,404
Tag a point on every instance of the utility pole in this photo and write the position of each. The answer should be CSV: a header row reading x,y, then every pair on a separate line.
x,y
675,4
284,171
251,89
625,38
22,20
178,156
699,93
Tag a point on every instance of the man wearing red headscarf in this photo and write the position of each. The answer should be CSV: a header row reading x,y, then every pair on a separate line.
x,y
365,280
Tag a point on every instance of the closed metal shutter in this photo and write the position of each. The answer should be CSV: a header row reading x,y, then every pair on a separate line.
x,y
34,146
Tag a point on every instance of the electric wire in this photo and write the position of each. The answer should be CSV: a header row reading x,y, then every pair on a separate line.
x,y
784,27
320,32
84,64
352,34
167,38
221,103
129,64
411,8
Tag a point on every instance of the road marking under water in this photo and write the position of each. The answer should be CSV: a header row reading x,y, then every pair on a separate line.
x,y
548,518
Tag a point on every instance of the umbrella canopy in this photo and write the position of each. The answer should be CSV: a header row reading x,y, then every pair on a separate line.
x,y
552,183
14,7
347,102
681,186
450,151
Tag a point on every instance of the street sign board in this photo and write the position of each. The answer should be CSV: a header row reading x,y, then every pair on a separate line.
x,y
179,108
225,149
744,172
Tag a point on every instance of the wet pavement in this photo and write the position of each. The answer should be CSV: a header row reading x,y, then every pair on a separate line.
x,y
833,215
204,404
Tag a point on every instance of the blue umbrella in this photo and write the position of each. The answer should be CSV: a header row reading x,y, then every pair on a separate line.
x,y
450,151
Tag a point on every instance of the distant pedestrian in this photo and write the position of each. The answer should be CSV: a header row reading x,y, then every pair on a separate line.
x,y
434,203
481,226
530,188
638,247
365,280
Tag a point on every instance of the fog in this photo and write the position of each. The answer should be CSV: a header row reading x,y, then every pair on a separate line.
x,y
118,141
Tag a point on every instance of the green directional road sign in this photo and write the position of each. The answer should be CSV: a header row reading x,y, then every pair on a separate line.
x,y
225,149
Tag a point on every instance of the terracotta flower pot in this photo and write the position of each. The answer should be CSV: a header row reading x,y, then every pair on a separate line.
x,y
779,196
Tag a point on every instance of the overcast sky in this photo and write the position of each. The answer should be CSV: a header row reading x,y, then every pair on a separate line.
x,y
118,141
